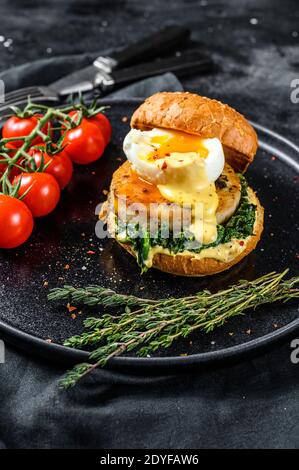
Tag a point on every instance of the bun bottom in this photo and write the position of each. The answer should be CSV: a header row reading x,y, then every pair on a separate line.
x,y
185,265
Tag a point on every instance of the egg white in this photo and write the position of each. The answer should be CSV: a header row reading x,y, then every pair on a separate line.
x,y
137,146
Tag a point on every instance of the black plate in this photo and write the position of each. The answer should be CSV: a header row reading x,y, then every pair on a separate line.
x,y
59,253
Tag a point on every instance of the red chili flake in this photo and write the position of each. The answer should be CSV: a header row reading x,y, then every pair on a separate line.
x,y
90,252
164,166
71,308
273,158
241,243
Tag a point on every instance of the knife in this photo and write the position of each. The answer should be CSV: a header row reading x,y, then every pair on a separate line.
x,y
186,64
151,46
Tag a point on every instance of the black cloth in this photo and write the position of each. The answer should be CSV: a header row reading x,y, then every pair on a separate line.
x,y
252,404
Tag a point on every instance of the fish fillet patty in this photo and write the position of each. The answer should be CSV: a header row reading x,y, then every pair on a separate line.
x,y
129,186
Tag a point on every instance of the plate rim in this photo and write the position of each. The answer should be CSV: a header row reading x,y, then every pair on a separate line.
x,y
25,340
66,354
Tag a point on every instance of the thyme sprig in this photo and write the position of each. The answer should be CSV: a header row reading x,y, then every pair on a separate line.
x,y
147,325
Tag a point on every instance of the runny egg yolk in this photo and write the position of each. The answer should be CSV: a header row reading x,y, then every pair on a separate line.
x,y
188,184
179,142
184,168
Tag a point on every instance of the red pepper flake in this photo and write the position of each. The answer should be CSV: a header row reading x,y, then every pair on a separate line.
x,y
67,266
90,252
164,166
70,307
273,158
241,243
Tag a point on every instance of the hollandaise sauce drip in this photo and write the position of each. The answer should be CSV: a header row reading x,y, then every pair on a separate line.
x,y
186,181
190,186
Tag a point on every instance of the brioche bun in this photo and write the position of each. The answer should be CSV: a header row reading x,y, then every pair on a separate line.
x,y
198,115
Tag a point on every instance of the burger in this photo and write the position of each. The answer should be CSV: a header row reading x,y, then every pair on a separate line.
x,y
180,203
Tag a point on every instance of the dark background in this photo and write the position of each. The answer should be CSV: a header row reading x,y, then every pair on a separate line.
x,y
254,44
251,404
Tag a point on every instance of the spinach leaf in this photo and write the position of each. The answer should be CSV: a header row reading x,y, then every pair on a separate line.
x,y
240,226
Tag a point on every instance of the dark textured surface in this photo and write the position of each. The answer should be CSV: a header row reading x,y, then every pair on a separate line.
x,y
256,46
254,43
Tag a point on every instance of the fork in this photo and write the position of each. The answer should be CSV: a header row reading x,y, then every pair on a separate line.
x,y
98,74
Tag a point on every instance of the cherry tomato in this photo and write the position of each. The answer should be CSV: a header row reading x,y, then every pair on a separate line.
x,y
59,165
16,222
101,121
43,195
84,143
19,127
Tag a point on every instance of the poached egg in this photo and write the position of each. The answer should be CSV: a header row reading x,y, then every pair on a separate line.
x,y
184,167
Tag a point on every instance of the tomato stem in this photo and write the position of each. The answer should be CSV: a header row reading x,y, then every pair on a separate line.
x,y
49,115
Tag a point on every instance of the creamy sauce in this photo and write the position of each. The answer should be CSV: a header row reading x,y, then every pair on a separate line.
x,y
224,252
186,181
188,184
183,168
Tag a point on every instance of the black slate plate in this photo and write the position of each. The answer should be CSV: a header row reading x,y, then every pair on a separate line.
x,y
66,238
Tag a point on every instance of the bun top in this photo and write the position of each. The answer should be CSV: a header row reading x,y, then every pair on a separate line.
x,y
195,114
